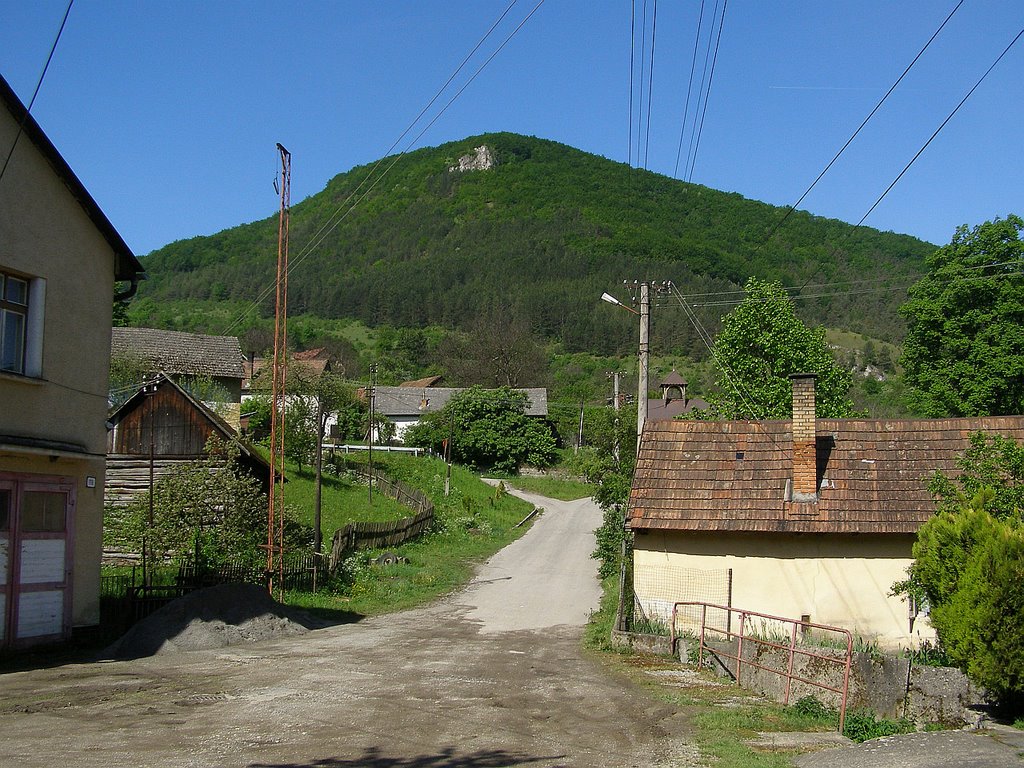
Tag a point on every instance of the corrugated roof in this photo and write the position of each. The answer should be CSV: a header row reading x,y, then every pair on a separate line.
x,y
732,475
193,354
409,401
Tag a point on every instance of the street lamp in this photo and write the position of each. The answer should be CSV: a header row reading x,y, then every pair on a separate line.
x,y
643,356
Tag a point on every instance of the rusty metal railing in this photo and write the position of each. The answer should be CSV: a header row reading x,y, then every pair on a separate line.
x,y
792,648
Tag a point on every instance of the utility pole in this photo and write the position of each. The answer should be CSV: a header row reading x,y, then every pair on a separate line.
x,y
643,360
579,439
369,431
275,510
644,352
616,405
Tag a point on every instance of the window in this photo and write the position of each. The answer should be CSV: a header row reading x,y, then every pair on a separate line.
x,y
21,324
13,320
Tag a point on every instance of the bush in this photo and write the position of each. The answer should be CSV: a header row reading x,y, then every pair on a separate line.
x,y
862,725
971,566
812,707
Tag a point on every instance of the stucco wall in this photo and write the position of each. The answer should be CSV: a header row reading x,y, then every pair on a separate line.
x,y
45,233
842,580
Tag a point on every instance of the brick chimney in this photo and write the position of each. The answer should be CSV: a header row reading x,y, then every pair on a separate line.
x,y
805,459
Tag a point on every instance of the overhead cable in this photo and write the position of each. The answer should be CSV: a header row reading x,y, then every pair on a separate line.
x,y
941,126
689,88
707,93
39,84
791,208
347,205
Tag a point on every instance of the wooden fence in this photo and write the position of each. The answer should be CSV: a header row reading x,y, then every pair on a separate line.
x,y
390,534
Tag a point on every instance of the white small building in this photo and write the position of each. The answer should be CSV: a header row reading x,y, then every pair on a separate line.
x,y
406,404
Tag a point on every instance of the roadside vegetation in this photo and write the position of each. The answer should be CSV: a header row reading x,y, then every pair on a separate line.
x,y
473,522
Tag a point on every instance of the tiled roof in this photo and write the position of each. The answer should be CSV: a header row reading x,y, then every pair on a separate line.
x,y
427,381
301,362
659,409
408,401
733,475
194,354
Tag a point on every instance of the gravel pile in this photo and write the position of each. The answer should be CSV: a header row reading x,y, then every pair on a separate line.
x,y
216,617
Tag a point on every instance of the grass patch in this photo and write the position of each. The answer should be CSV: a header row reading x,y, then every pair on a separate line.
x,y
597,635
345,499
553,487
862,725
472,523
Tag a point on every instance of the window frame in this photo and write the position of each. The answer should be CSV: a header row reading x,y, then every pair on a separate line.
x,y
30,359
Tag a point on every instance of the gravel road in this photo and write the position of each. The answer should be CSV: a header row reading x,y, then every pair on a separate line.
x,y
491,676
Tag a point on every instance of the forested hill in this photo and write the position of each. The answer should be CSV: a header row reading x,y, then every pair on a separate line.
x,y
540,235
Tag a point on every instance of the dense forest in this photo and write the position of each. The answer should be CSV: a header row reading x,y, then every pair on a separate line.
x,y
537,237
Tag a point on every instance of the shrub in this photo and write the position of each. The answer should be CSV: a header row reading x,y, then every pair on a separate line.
x,y
862,725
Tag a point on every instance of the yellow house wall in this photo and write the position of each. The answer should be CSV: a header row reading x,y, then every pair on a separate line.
x,y
841,580
45,233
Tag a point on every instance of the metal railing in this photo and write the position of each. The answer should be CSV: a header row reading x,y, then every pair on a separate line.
x,y
792,648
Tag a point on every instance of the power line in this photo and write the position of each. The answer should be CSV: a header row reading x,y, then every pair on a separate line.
x,y
707,93
941,126
689,88
39,84
791,208
345,208
650,83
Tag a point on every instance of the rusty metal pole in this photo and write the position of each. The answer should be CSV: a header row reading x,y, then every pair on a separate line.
x,y
275,511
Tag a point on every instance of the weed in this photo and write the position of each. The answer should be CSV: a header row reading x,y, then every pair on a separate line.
x,y
929,654
862,725
812,707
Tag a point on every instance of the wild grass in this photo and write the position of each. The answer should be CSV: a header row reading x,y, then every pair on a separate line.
x,y
472,523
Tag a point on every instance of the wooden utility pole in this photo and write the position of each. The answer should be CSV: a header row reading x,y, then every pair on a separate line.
x,y
275,509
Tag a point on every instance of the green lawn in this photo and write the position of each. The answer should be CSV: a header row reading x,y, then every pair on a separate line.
x,y
345,499
472,523
552,487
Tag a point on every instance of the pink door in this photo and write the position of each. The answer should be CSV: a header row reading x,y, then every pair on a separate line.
x,y
35,558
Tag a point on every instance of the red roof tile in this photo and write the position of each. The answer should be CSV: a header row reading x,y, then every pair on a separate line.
x,y
733,475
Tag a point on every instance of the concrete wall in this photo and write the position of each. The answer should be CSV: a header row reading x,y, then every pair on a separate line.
x,y
841,580
45,233
888,685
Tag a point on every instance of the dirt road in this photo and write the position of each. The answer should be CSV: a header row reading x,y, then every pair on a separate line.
x,y
491,676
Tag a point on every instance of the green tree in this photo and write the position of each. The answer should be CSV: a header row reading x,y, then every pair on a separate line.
x,y
969,563
964,350
763,342
488,429
209,505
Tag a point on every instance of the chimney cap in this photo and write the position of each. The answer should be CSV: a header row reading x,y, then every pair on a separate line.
x,y
796,376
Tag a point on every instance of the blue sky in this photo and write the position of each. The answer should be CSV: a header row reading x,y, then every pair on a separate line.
x,y
169,111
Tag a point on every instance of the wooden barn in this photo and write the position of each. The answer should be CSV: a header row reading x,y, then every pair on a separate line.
x,y
163,425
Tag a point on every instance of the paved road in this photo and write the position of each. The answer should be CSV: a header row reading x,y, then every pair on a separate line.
x,y
492,676
1001,747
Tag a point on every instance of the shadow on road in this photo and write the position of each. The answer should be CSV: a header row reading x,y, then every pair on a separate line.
x,y
448,757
